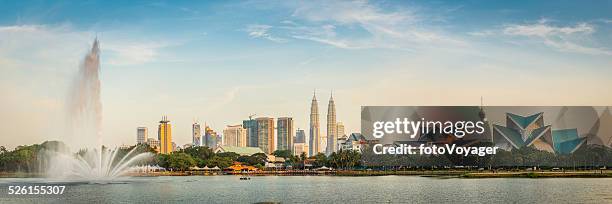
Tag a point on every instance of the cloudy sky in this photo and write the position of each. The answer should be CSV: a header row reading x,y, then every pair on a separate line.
x,y
219,62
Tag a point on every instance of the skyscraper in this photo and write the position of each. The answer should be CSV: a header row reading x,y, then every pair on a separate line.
x,y
284,134
299,148
141,135
196,134
341,131
251,131
235,135
300,136
341,135
164,135
153,143
211,139
314,127
265,134
332,127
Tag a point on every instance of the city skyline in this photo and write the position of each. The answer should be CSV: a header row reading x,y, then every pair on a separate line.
x,y
215,61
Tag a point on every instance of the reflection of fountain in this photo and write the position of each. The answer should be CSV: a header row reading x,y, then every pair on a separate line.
x,y
94,162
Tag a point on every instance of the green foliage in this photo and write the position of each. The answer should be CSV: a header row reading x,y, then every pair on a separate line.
x,y
282,153
221,162
180,161
253,160
344,159
203,153
162,160
26,158
23,158
320,160
230,155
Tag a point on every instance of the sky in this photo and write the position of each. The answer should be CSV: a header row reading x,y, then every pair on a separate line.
x,y
218,62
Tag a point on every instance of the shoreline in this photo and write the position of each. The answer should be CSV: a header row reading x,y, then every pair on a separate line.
x,y
355,173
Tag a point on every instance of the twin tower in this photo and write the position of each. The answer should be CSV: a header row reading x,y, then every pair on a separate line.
x,y
317,143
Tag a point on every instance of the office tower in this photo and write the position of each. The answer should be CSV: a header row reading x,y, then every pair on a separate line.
x,y
265,134
211,139
299,148
164,135
196,134
251,131
332,131
341,134
341,131
300,136
235,135
314,137
284,134
141,135
153,143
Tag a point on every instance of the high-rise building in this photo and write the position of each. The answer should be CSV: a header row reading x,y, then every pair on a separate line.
x,y
341,131
251,131
300,136
153,143
141,135
211,138
332,127
341,134
299,148
235,135
284,133
196,134
164,135
314,137
265,134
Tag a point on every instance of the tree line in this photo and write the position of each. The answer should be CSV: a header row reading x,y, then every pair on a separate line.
x,y
29,158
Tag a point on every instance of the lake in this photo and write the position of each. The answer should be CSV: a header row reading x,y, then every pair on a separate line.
x,y
321,189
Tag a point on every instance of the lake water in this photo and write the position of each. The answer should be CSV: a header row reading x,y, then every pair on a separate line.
x,y
323,189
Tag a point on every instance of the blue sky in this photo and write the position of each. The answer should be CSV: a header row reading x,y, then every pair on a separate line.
x,y
219,61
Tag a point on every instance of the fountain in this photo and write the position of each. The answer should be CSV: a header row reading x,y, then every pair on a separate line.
x,y
93,162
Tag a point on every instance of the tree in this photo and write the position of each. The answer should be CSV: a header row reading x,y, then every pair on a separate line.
x,y
230,155
221,162
200,152
162,160
282,153
344,159
320,160
180,161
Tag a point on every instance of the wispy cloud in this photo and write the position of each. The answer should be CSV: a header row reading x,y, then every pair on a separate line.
x,y
357,25
127,53
543,29
570,38
23,42
483,33
262,31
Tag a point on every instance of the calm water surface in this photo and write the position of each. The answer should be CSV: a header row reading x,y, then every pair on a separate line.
x,y
323,189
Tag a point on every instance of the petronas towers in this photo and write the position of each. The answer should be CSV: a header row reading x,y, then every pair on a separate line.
x,y
332,126
317,143
315,132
